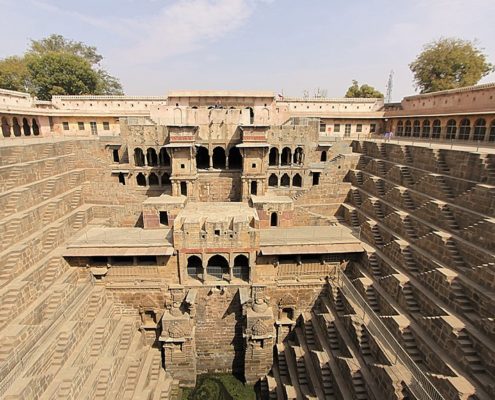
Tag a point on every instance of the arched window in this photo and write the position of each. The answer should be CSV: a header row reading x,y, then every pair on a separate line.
x,y
164,157
140,179
297,180
464,129
479,129
151,157
274,219
285,180
36,128
218,267
491,138
407,131
16,127
254,188
298,155
251,115
194,267
286,156
235,158
177,116
218,157
451,129
138,157
153,179
273,180
165,179
202,158
25,127
416,128
241,267
273,156
436,129
323,156
400,128
426,128
5,127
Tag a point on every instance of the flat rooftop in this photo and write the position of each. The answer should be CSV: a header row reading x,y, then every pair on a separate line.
x,y
105,241
196,212
221,93
309,240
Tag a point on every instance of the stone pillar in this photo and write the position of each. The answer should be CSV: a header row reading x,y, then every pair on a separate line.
x,y
178,345
259,340
279,158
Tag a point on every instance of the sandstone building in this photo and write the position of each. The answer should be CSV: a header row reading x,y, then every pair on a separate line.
x,y
147,240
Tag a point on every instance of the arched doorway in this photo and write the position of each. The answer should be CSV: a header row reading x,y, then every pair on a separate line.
x,y
251,115
153,179
285,180
273,156
217,267
464,129
298,156
5,127
36,128
151,157
165,179
25,127
141,179
297,180
194,267
218,157
16,127
202,158
274,219
138,157
164,157
241,267
479,129
273,180
286,156
235,158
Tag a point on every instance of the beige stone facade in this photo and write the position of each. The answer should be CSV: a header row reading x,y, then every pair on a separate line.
x,y
146,240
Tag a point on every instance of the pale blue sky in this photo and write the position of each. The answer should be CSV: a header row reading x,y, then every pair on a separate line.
x,y
155,46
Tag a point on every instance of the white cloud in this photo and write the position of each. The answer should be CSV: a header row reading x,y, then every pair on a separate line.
x,y
185,26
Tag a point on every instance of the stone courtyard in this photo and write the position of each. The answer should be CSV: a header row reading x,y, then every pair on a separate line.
x,y
281,240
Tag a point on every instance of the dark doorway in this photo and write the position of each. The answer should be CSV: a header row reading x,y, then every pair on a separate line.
x,y
121,178
217,267
273,156
115,154
25,127
273,180
36,128
218,157
297,180
202,158
140,179
254,188
323,156
194,267
183,188
241,267
153,179
138,157
316,178
274,219
235,158
151,157
285,180
164,218
164,157
286,156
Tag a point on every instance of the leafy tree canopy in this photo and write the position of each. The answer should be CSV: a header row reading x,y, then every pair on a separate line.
x,y
366,91
449,63
58,66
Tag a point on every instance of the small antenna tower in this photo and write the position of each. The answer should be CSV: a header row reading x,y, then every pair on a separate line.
x,y
390,84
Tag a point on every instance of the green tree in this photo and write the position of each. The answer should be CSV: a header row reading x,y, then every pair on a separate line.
x,y
449,63
14,74
32,72
366,91
55,73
